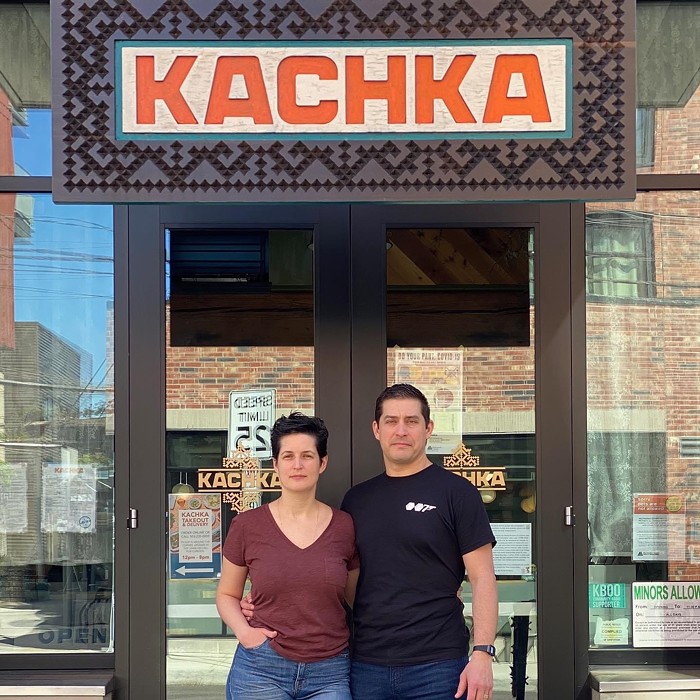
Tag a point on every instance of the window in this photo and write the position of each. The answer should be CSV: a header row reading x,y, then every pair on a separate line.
x,y
620,465
619,259
646,118
25,90
56,426
642,394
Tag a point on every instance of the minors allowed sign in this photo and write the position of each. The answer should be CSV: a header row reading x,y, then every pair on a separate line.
x,y
666,614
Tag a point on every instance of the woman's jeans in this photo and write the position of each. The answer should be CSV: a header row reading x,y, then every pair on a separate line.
x,y
262,674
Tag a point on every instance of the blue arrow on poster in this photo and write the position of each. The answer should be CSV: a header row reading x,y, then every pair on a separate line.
x,y
187,570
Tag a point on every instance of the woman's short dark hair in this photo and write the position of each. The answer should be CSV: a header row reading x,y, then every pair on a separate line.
x,y
402,391
297,422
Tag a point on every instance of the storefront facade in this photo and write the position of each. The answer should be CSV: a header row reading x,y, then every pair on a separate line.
x,y
539,283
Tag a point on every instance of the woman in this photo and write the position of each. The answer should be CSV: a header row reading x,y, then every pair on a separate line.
x,y
301,558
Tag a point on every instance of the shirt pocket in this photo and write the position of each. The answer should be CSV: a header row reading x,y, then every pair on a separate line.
x,y
336,571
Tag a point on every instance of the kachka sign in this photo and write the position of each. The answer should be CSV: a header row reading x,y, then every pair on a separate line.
x,y
466,465
354,89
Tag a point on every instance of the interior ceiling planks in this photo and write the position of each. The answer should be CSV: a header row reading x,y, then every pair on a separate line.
x,y
456,257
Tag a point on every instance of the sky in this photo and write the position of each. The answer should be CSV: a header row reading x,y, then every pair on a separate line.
x,y
64,270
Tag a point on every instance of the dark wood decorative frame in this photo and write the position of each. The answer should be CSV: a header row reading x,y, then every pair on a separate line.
x,y
90,165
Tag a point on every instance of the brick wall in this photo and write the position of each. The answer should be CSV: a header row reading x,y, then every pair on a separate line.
x,y
203,377
677,139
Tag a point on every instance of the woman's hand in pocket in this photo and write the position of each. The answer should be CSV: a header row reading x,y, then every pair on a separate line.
x,y
255,637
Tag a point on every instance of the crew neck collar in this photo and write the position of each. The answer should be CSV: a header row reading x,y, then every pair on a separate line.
x,y
397,477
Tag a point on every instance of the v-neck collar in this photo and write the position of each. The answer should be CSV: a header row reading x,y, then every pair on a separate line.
x,y
286,539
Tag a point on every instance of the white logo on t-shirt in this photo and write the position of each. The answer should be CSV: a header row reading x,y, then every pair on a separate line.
x,y
420,507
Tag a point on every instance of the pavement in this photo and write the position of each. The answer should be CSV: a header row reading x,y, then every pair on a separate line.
x,y
197,670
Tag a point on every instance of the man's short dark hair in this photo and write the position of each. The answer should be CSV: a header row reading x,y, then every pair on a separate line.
x,y
295,423
402,391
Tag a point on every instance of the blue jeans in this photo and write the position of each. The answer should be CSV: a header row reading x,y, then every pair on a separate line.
x,y
437,680
262,674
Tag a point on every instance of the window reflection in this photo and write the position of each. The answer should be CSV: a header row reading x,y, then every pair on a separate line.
x,y
619,254
239,316
460,327
643,390
668,86
25,89
56,426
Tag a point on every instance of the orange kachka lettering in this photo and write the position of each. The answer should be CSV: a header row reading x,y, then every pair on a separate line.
x,y
499,105
358,90
256,105
148,90
428,89
288,71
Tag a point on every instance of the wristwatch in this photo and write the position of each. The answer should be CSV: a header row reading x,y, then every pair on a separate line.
x,y
487,648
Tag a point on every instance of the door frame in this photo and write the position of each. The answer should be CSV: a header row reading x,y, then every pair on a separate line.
x,y
350,370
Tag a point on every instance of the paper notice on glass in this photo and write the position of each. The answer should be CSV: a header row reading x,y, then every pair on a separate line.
x,y
195,535
13,498
658,527
68,498
438,374
612,632
512,555
666,614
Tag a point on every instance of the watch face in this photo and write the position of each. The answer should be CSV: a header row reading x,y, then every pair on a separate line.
x,y
488,648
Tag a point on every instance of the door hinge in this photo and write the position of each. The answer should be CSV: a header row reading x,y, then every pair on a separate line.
x,y
132,522
569,517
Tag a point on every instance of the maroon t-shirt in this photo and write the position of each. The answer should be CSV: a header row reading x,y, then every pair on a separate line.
x,y
297,592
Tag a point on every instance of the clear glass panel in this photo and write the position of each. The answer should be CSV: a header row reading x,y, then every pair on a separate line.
x,y
460,327
56,426
239,318
25,89
643,427
668,87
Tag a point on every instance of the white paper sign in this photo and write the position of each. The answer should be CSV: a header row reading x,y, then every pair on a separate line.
x,y
512,555
658,527
68,501
612,632
666,614
13,498
438,374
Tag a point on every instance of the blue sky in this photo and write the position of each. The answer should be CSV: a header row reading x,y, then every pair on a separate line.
x,y
64,274
64,270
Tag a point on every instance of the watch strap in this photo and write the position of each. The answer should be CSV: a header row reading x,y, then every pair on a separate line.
x,y
486,648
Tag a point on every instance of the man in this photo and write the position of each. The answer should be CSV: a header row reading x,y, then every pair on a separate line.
x,y
417,527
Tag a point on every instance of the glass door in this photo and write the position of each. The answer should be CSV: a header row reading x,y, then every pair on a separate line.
x,y
317,309
461,320
240,335
460,326
239,351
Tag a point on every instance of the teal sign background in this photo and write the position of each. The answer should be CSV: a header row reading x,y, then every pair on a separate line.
x,y
607,595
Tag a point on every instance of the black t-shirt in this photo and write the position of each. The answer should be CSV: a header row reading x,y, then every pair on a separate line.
x,y
411,533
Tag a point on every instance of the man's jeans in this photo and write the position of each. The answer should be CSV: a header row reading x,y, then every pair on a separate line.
x,y
437,680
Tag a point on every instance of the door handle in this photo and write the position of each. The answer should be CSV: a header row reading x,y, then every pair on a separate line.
x,y
569,517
